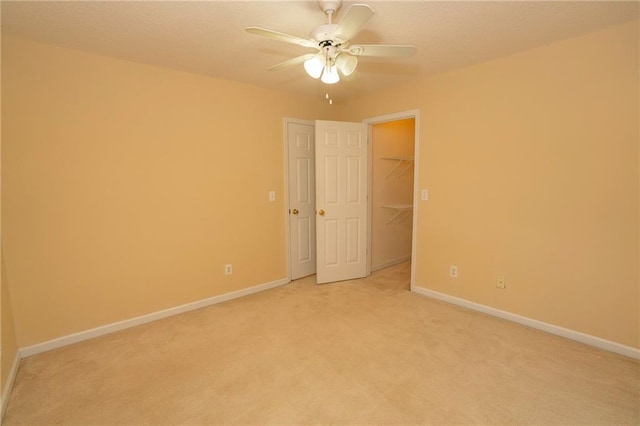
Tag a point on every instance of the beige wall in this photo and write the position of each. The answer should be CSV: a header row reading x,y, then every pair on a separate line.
x,y
127,187
531,162
391,242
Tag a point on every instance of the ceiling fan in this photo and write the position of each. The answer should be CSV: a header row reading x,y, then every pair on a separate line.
x,y
333,43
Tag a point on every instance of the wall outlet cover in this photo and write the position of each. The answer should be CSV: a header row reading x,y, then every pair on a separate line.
x,y
500,282
453,271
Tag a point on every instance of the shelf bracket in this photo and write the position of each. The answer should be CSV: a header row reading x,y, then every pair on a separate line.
x,y
400,160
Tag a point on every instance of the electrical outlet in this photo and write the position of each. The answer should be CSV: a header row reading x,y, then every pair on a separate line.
x,y
500,282
228,269
453,271
424,194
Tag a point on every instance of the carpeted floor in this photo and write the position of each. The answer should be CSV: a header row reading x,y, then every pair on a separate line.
x,y
356,352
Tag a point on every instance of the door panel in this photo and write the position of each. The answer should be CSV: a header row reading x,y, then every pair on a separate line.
x,y
302,221
353,182
331,180
304,231
341,194
331,242
303,171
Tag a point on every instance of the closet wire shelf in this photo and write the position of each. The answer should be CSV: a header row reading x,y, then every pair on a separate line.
x,y
403,211
400,160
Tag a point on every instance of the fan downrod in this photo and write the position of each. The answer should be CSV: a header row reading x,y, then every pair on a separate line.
x,y
329,7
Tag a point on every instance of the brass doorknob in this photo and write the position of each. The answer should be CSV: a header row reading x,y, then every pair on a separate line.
x,y
295,211
321,212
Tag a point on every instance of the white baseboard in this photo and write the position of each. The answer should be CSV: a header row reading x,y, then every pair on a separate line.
x,y
121,325
390,263
529,322
8,386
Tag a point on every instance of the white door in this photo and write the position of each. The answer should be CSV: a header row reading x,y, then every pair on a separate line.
x,y
302,221
341,200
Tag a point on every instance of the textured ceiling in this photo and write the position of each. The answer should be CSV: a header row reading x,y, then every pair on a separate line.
x,y
208,37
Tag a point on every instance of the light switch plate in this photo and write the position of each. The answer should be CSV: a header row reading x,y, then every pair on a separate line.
x,y
272,195
424,194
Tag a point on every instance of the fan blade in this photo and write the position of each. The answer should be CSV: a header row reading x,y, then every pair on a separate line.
x,y
288,38
380,50
291,62
351,23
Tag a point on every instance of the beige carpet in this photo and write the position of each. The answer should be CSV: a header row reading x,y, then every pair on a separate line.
x,y
356,352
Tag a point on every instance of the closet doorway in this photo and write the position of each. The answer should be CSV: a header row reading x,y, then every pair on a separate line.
x,y
394,183
392,167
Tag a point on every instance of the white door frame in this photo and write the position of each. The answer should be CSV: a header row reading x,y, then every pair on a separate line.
x,y
285,124
415,114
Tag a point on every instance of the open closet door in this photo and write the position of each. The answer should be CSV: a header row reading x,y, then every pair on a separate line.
x,y
341,200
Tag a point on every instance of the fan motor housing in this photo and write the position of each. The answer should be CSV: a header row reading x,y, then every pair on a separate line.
x,y
323,33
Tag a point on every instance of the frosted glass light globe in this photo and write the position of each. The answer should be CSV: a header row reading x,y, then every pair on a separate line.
x,y
346,64
330,75
314,66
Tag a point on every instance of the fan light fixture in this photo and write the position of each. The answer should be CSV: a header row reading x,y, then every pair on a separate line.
x,y
324,67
